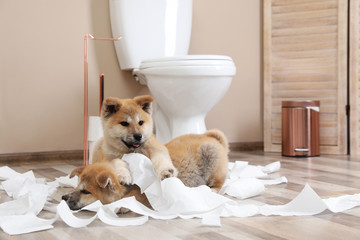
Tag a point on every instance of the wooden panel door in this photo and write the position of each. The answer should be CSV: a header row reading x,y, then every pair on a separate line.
x,y
354,81
305,58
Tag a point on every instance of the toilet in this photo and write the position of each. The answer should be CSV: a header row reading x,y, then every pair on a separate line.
x,y
156,37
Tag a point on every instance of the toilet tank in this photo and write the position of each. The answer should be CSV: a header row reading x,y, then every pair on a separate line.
x,y
150,29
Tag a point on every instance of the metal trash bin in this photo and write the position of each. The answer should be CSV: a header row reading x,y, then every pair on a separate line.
x,y
300,128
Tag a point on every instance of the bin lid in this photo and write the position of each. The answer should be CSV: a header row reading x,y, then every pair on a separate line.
x,y
306,103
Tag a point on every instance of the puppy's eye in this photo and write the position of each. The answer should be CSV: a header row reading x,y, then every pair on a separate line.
x,y
141,122
125,124
84,191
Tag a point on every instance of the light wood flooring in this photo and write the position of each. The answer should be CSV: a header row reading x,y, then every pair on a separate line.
x,y
328,175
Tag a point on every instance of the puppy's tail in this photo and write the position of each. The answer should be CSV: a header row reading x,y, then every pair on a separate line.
x,y
214,159
219,136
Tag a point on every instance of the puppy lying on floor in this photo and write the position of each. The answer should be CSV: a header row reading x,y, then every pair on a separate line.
x,y
200,159
98,181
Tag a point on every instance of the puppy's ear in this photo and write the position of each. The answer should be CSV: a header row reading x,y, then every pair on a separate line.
x,y
104,180
110,106
77,171
145,103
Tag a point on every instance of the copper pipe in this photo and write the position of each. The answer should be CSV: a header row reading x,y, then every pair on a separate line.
x,y
86,88
86,143
101,93
106,39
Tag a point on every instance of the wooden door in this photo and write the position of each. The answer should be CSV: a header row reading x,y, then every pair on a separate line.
x,y
354,84
305,58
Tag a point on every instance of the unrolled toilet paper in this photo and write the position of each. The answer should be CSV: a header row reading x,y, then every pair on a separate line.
x,y
169,198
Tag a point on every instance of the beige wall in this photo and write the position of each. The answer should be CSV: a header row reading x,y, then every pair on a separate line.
x,y
41,69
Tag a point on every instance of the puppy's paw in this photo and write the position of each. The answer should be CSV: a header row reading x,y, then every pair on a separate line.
x,y
167,173
124,178
123,210
122,171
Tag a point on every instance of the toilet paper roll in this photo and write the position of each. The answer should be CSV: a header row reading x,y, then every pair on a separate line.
x,y
95,131
91,150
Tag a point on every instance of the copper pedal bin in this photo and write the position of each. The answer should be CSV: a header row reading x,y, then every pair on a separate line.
x,y
300,128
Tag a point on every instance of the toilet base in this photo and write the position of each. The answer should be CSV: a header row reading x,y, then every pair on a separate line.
x,y
168,129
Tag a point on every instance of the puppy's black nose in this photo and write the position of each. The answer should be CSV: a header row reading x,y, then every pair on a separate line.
x,y
137,136
65,197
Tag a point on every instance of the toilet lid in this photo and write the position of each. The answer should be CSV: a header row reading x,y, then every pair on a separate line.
x,y
188,60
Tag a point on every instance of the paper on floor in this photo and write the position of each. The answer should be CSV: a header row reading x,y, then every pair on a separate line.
x,y
243,188
306,203
20,224
342,203
169,198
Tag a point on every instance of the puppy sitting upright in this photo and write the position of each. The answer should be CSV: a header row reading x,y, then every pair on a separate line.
x,y
128,128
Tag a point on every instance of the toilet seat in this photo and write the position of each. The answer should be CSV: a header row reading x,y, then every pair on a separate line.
x,y
188,65
188,60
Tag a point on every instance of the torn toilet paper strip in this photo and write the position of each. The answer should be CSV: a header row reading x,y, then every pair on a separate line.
x,y
169,198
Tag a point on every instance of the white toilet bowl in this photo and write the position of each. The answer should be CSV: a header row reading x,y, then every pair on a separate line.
x,y
185,89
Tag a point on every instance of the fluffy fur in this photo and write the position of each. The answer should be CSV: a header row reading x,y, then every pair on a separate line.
x,y
128,128
98,182
200,159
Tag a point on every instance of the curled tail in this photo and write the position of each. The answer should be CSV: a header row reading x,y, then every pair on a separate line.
x,y
219,136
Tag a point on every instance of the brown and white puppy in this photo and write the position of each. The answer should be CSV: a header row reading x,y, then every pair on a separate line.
x,y
128,128
201,160
98,182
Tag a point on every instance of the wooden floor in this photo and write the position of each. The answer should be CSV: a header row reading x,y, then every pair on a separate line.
x,y
329,176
